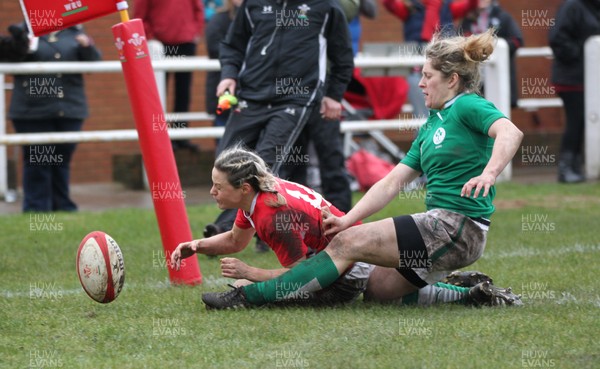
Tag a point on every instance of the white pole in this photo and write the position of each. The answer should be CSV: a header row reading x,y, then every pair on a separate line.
x,y
497,88
592,107
3,158
157,54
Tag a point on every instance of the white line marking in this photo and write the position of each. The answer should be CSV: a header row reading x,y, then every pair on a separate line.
x,y
53,292
211,281
525,251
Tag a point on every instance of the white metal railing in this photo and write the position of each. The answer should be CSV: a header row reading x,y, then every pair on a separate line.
x,y
532,104
535,52
496,72
161,66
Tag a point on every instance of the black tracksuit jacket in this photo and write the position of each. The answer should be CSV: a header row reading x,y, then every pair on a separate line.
x,y
288,51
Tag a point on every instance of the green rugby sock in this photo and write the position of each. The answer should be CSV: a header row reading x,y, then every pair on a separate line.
x,y
442,292
435,294
308,276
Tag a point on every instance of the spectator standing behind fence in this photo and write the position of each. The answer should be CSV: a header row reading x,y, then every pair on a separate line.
x,y
51,103
421,19
211,7
576,21
13,47
178,25
489,14
367,8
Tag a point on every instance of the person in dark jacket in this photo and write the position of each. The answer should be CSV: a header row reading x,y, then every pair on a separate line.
x,y
215,32
576,21
51,103
274,59
14,47
322,140
489,14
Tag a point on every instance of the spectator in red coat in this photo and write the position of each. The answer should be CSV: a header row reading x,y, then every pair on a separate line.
x,y
421,19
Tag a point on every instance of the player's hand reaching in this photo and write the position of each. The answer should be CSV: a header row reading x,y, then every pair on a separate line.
x,y
483,181
234,268
183,251
332,224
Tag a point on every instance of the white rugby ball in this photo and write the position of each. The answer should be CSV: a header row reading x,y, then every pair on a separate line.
x,y
100,267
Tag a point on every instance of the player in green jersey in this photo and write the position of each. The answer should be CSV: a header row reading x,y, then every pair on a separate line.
x,y
464,145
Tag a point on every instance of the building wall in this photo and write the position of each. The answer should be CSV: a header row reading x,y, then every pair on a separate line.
x,y
109,104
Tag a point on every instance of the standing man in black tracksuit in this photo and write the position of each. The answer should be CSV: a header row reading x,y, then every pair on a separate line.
x,y
275,59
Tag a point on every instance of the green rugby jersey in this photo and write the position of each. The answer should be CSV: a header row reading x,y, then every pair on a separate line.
x,y
452,147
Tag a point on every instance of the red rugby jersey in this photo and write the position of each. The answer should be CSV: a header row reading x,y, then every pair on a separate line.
x,y
293,230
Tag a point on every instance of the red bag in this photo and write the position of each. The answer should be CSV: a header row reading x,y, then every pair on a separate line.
x,y
367,168
384,95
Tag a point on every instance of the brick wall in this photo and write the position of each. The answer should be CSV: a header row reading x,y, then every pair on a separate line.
x,y
109,104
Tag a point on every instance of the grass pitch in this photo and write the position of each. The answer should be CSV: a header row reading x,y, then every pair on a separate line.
x,y
544,242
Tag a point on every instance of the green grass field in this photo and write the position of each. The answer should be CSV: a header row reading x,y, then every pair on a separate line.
x,y
544,242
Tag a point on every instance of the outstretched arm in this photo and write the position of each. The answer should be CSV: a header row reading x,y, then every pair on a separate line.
x,y
374,200
507,140
224,243
235,268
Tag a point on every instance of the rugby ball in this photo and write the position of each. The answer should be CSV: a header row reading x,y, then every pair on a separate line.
x,y
100,267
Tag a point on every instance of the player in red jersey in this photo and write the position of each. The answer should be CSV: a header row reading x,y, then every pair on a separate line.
x,y
286,215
